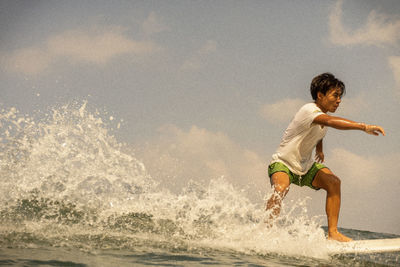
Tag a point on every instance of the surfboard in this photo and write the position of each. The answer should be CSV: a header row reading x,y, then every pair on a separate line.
x,y
364,246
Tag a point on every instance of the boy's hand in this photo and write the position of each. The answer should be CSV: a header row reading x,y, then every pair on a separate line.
x,y
374,129
319,156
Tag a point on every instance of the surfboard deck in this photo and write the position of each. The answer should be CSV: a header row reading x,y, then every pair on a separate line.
x,y
365,246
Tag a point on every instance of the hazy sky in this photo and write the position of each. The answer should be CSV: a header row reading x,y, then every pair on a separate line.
x,y
206,88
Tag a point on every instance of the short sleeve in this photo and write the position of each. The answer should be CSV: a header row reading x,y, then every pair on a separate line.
x,y
308,113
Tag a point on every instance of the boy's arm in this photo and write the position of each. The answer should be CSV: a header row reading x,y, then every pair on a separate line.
x,y
319,154
345,124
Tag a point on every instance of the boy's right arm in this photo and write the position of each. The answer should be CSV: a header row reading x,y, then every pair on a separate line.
x,y
345,124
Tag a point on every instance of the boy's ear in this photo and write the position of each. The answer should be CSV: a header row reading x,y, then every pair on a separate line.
x,y
319,95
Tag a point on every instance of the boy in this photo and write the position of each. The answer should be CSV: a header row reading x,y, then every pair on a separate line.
x,y
293,163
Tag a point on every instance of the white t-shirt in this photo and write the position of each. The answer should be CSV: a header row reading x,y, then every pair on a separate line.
x,y
300,139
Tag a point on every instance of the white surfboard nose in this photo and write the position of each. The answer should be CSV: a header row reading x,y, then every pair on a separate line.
x,y
364,246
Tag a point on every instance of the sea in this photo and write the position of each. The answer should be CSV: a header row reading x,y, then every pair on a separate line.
x,y
72,195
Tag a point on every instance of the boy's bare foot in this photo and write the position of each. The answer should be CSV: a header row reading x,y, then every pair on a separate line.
x,y
335,235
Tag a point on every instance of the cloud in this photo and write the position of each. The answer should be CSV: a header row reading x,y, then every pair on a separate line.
x,y
199,59
281,112
98,48
361,173
78,46
29,61
178,156
153,24
350,165
394,63
379,29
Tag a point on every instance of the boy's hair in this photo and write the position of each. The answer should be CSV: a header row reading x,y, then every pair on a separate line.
x,y
323,82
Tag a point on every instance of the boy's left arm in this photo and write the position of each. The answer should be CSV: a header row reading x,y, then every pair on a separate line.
x,y
319,154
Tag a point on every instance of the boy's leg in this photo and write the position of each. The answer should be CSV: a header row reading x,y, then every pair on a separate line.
x,y
331,183
280,183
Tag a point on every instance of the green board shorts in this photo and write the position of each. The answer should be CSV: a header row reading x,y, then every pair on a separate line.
x,y
300,180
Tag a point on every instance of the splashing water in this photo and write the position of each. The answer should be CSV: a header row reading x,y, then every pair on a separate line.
x,y
65,181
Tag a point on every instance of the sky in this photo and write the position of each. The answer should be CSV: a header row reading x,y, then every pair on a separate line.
x,y
204,89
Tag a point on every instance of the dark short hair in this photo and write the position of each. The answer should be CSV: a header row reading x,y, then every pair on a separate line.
x,y
323,82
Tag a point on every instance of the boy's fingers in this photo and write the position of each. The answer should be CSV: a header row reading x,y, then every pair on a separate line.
x,y
381,130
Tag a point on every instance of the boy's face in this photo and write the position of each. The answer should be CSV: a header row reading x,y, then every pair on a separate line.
x,y
330,101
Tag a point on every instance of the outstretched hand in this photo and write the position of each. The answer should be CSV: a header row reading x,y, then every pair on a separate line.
x,y
374,129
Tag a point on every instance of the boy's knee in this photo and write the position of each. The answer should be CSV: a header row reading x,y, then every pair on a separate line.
x,y
334,183
281,188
